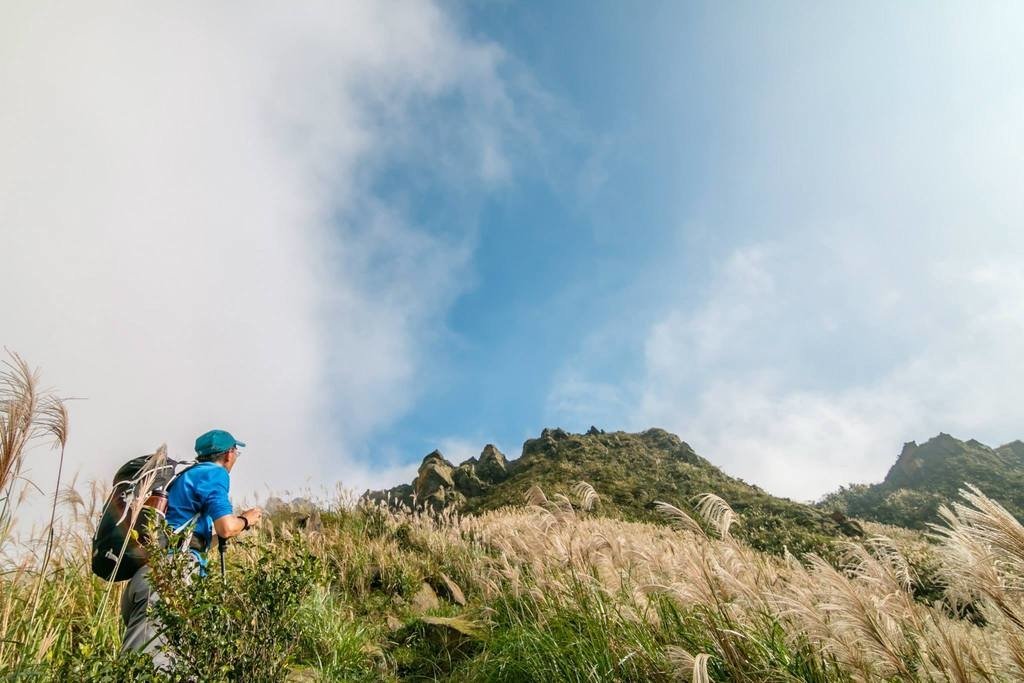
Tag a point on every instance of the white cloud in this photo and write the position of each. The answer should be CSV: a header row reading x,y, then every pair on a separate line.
x,y
189,232
787,416
864,206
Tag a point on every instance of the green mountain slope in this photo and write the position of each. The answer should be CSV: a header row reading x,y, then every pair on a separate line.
x,y
927,476
629,472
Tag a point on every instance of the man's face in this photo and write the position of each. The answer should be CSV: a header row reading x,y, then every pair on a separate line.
x,y
229,460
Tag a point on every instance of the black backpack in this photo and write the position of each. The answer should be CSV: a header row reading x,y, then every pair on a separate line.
x,y
137,503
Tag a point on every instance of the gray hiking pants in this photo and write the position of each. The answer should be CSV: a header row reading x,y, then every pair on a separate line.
x,y
142,628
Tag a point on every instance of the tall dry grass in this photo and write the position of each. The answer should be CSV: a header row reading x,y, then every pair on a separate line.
x,y
861,615
554,591
29,413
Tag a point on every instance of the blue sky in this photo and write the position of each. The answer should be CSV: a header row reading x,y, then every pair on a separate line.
x,y
820,146
573,240
790,233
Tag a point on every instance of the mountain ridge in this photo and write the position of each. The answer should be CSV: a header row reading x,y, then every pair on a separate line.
x,y
931,474
630,472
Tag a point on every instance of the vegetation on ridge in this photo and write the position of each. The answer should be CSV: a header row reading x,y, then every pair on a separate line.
x,y
925,477
633,472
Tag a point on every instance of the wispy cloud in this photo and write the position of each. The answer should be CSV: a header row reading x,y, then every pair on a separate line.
x,y
754,376
190,210
862,238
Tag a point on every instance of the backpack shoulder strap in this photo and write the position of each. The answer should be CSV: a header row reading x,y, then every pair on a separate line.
x,y
191,465
195,518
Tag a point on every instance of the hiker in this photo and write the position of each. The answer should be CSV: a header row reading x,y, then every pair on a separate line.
x,y
200,496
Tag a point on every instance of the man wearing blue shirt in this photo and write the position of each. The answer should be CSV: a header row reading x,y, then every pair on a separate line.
x,y
198,497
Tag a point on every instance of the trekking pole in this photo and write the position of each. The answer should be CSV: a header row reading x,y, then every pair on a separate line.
x,y
222,545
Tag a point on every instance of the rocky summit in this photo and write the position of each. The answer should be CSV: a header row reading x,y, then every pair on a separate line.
x,y
630,473
929,475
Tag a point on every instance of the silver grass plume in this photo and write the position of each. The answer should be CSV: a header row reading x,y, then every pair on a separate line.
x,y
586,496
535,496
679,518
717,513
691,668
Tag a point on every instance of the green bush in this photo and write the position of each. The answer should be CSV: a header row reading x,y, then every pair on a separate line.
x,y
242,628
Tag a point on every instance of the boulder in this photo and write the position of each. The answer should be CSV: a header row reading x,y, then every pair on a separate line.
x,y
454,499
425,599
459,625
453,638
466,480
493,465
303,506
432,479
275,505
556,434
311,522
448,589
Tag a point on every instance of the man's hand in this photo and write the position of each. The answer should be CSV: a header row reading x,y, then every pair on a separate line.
x,y
232,525
254,515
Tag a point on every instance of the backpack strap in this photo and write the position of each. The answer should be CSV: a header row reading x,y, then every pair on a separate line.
x,y
186,543
185,525
191,464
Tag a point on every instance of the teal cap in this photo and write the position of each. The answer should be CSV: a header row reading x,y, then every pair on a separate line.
x,y
215,441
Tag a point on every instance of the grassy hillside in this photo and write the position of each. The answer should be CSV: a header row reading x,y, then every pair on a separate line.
x,y
552,591
544,593
927,476
632,472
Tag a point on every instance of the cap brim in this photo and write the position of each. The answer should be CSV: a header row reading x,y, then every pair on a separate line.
x,y
240,443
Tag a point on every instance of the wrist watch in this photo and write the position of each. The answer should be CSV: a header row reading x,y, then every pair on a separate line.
x,y
245,520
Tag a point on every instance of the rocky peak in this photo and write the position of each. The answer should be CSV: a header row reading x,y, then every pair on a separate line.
x,y
433,480
493,465
906,465
435,458
931,474
556,434
546,443
1013,451
913,459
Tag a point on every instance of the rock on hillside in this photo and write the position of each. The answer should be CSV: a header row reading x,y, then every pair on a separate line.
x,y
629,472
927,476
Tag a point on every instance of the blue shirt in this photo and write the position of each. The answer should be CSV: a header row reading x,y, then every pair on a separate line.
x,y
202,490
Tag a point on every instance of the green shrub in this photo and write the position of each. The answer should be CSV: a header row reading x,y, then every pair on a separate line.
x,y
242,628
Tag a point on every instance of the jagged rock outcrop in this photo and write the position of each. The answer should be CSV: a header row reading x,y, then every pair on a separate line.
x,y
493,465
434,480
466,480
439,483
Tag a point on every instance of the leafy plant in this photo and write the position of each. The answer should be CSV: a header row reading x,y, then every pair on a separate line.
x,y
239,628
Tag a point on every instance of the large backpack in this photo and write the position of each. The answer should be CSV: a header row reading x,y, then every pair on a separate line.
x,y
137,503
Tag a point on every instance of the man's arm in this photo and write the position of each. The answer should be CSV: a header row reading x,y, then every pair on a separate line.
x,y
232,525
217,505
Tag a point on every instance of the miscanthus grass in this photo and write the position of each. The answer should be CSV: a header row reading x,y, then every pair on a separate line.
x,y
544,592
551,591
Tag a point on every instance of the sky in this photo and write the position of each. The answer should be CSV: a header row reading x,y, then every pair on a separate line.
x,y
352,233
